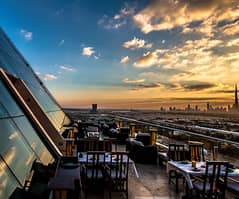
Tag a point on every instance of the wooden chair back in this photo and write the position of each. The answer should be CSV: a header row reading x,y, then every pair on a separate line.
x,y
106,145
216,174
176,152
95,162
119,166
87,144
118,172
196,151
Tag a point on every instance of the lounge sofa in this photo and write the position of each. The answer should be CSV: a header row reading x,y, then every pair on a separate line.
x,y
140,153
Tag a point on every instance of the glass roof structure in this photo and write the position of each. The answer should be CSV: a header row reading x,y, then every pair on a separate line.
x,y
21,141
14,63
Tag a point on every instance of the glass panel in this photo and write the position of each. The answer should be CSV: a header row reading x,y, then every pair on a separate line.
x,y
58,118
15,151
15,66
7,182
4,61
53,119
12,62
33,139
8,102
3,112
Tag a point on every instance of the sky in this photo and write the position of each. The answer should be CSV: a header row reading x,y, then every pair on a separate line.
x,y
129,54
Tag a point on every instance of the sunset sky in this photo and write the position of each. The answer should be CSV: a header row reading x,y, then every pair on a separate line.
x,y
129,54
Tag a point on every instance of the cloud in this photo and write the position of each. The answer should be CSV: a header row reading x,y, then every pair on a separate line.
x,y
233,42
203,99
231,29
119,19
111,23
117,16
124,59
37,73
137,43
165,15
26,34
48,77
61,42
158,76
128,81
146,86
96,57
66,68
224,91
146,60
212,59
197,86
88,51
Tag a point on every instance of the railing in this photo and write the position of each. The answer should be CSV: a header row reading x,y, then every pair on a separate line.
x,y
179,130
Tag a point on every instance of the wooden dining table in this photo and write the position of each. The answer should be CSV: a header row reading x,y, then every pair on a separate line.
x,y
82,159
186,169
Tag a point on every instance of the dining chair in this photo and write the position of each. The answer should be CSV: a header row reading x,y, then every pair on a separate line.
x,y
107,145
87,144
117,173
214,182
196,151
92,171
176,152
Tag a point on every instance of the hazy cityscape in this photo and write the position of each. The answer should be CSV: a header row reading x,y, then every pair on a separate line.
x,y
119,99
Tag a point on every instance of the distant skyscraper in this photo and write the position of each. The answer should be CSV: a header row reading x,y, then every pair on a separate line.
x,y
208,106
235,106
94,108
236,97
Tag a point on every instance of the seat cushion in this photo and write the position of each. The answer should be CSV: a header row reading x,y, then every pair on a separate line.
x,y
136,143
145,138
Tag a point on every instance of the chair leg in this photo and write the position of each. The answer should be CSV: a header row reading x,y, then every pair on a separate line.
x,y
110,188
86,194
176,183
127,193
169,177
86,191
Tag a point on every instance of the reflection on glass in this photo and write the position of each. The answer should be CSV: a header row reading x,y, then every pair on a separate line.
x,y
13,63
13,136
7,182
34,141
58,119
3,112
8,103
15,151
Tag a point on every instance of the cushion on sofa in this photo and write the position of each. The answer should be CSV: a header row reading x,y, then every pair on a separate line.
x,y
136,142
145,138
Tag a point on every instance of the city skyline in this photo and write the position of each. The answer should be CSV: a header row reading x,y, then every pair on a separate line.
x,y
131,54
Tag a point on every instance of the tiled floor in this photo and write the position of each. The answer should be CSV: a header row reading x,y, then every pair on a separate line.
x,y
151,184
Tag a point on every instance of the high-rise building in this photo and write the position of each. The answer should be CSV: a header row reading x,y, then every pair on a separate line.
x,y
236,98
31,121
94,108
235,106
